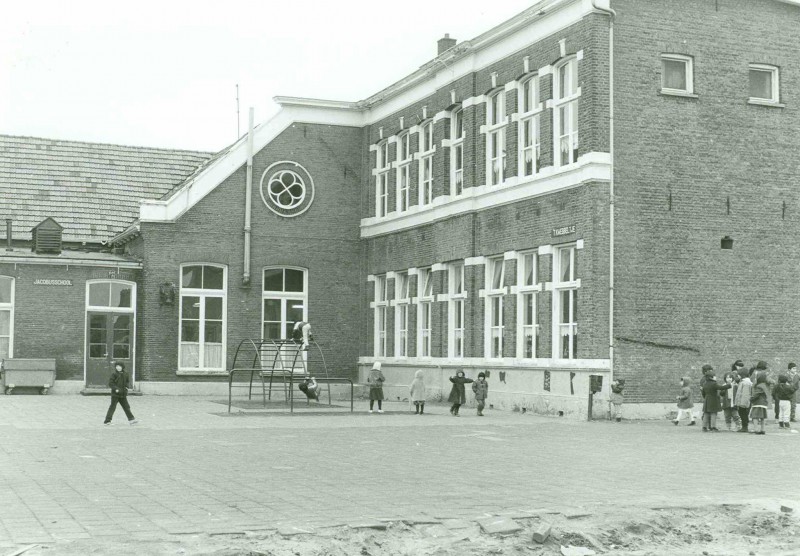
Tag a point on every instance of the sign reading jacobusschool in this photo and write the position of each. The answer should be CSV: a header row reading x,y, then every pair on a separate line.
x,y
51,282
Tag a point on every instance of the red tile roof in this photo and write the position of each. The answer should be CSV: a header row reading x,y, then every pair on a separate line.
x,y
92,189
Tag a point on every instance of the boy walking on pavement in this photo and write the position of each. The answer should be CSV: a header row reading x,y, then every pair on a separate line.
x,y
119,383
481,389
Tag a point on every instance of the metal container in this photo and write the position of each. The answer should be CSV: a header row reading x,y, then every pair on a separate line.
x,y
29,373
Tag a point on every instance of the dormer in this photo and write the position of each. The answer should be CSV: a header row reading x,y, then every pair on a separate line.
x,y
47,236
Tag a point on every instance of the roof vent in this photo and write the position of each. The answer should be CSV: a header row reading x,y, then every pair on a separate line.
x,y
445,43
47,236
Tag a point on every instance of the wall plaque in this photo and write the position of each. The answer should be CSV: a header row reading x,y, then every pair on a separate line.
x,y
563,231
51,282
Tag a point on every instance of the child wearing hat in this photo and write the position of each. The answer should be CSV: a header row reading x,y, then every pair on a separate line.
x,y
375,379
458,395
119,383
481,389
417,392
685,404
742,397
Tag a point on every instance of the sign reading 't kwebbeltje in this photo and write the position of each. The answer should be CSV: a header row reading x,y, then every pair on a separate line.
x,y
563,231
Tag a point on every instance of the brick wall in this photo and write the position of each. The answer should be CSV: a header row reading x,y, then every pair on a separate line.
x,y
692,170
324,240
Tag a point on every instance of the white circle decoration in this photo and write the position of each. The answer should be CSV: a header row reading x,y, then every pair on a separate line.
x,y
287,188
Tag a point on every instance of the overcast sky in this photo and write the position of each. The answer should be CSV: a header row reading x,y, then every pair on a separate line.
x,y
164,73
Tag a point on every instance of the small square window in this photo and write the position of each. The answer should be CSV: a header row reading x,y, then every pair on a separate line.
x,y
676,74
764,83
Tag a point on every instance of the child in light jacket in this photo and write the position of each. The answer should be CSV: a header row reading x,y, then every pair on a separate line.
x,y
758,402
742,398
417,392
685,403
617,397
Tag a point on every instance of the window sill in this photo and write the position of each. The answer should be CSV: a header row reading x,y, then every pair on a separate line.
x,y
765,102
201,372
676,93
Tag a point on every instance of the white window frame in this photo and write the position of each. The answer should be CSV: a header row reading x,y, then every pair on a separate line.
x,y
382,167
203,293
776,87
455,308
9,306
457,152
381,306
402,300
495,293
527,291
568,101
571,285
528,114
425,300
495,131
425,155
688,62
403,178
120,310
284,295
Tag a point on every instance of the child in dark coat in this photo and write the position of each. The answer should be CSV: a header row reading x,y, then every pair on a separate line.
x,y
685,404
758,402
119,383
742,398
728,401
784,392
481,389
711,401
375,379
458,395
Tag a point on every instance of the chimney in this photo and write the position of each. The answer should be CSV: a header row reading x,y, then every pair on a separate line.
x,y
9,238
445,44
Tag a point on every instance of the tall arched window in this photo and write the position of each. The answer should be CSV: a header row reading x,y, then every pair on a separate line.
x,y
6,317
284,301
565,112
203,322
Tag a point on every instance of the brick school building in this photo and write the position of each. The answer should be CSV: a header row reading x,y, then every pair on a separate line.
x,y
589,190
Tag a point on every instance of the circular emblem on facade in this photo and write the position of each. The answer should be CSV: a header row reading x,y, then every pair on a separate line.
x,y
287,189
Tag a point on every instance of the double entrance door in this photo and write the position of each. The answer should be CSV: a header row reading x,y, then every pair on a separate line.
x,y
110,330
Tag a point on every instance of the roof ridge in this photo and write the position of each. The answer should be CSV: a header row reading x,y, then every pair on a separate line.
x,y
95,143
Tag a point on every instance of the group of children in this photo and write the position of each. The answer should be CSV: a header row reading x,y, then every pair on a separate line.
x,y
418,391
743,396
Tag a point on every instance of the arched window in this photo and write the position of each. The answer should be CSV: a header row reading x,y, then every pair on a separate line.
x,y
529,129
6,317
457,152
565,112
202,316
496,137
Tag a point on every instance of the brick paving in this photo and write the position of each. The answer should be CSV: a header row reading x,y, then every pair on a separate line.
x,y
190,468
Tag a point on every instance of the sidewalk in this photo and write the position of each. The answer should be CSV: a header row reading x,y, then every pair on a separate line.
x,y
189,467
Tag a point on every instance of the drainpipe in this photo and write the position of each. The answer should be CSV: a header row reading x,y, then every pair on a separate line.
x,y
9,238
248,201
612,16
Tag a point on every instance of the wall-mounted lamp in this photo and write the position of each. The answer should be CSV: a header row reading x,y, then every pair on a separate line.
x,y
726,242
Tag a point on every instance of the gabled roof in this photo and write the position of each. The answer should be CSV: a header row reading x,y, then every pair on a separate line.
x,y
92,189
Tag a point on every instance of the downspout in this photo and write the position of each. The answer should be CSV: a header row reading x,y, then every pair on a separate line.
x,y
248,200
612,16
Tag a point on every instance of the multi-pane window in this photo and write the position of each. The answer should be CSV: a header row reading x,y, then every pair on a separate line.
x,y
284,302
381,305
426,149
496,137
401,314
676,74
455,310
403,171
764,83
202,317
530,151
6,317
424,311
495,276
527,291
382,180
457,152
565,302
110,334
565,95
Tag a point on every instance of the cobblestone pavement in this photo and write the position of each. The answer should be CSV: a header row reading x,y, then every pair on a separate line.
x,y
188,467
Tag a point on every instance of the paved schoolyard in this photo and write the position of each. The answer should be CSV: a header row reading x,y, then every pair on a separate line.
x,y
189,467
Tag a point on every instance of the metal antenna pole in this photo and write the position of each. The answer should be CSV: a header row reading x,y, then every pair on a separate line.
x,y
238,133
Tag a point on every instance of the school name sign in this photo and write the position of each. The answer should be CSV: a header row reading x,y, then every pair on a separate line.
x,y
51,282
